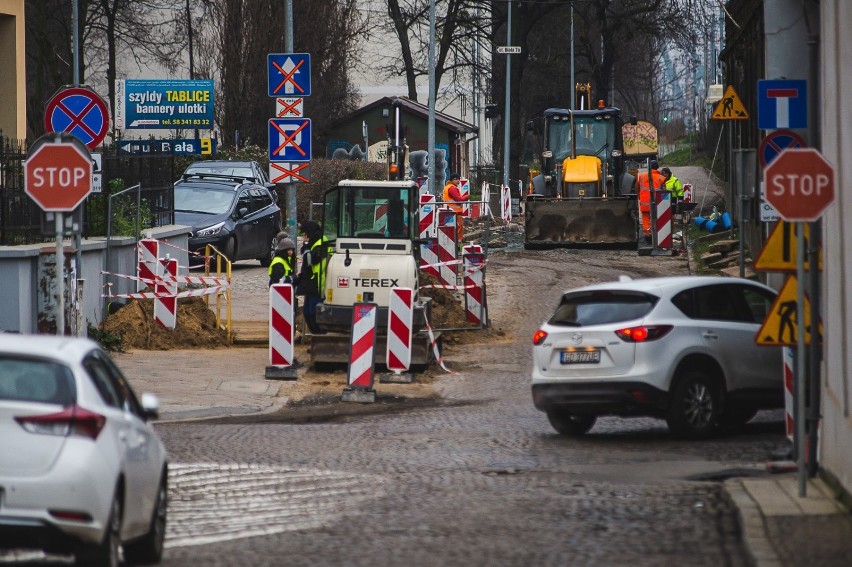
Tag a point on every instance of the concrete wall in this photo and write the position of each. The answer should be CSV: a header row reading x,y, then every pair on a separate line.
x,y
19,275
13,94
836,74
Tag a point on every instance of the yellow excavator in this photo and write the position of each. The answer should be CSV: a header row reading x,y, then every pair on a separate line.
x,y
583,194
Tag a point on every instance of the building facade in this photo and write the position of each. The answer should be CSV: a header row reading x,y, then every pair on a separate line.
x,y
13,87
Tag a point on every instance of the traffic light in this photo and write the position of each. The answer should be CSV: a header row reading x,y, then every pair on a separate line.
x,y
492,111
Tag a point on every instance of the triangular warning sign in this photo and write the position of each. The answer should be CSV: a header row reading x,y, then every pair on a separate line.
x,y
779,253
730,107
780,326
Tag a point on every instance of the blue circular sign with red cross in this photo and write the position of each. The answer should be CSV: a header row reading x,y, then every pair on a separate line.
x,y
776,142
80,112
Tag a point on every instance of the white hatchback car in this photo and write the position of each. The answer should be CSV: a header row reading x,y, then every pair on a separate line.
x,y
81,469
678,348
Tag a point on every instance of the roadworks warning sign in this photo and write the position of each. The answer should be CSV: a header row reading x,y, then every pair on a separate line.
x,y
780,327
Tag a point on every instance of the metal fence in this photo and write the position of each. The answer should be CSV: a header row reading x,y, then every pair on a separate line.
x,y
21,219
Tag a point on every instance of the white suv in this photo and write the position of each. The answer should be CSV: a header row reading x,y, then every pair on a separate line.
x,y
678,348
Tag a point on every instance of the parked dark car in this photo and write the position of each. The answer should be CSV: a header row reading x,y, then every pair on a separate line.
x,y
240,218
248,170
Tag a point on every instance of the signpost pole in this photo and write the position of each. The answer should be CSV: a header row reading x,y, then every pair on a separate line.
x,y
506,120
291,187
799,416
60,277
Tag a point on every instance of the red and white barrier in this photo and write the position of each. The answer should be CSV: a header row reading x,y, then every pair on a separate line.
x,y
165,308
505,203
789,382
447,246
400,331
664,219
429,262
471,249
427,216
362,346
687,193
281,325
474,286
380,218
148,253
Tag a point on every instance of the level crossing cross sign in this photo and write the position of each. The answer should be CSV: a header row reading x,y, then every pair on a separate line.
x,y
58,176
289,74
800,184
289,139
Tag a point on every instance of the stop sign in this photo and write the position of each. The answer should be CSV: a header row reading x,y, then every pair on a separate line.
x,y
800,184
58,176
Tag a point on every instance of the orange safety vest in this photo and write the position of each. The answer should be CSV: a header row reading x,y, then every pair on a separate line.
x,y
454,206
645,191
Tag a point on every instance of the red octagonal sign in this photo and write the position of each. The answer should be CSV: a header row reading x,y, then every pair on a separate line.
x,y
800,184
58,176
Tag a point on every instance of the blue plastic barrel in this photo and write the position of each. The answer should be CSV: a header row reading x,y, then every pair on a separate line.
x,y
699,222
726,220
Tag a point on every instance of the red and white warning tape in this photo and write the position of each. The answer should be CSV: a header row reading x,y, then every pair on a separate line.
x,y
154,295
219,282
435,348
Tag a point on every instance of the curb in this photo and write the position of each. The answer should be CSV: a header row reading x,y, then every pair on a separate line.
x,y
752,525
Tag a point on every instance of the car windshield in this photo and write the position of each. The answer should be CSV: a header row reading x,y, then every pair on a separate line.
x,y
224,169
33,380
601,308
203,199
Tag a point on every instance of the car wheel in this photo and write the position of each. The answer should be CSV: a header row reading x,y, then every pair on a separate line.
x,y
107,553
149,549
694,408
570,424
230,250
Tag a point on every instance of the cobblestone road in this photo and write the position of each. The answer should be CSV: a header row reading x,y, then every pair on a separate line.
x,y
480,480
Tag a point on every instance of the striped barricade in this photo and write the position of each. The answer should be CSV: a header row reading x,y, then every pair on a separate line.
x,y
664,219
282,355
447,246
400,333
165,308
474,289
505,203
427,216
361,348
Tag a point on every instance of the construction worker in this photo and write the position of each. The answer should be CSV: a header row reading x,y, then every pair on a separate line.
x,y
315,255
645,195
673,184
282,269
453,197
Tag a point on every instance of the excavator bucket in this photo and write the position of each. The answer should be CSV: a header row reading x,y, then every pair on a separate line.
x,y
581,222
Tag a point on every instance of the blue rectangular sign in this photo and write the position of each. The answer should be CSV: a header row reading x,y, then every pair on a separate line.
x,y
782,104
289,74
165,104
204,146
289,139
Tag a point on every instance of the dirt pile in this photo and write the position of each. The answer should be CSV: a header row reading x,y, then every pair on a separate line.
x,y
196,326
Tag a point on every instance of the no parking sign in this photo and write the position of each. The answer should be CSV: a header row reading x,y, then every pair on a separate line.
x,y
78,111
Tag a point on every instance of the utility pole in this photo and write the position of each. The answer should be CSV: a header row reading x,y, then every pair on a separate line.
x,y
431,120
506,116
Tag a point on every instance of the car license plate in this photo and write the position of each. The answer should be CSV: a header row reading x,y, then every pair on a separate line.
x,y
580,356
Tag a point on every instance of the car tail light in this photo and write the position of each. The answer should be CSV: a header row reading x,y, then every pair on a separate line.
x,y
72,420
538,337
71,515
643,333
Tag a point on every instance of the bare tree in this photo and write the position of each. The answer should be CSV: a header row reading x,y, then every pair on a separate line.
x,y
460,25
233,50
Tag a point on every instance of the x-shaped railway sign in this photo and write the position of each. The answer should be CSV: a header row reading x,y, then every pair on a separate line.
x,y
289,74
290,172
289,139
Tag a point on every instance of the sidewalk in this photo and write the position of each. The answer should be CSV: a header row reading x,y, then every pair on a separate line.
x,y
780,528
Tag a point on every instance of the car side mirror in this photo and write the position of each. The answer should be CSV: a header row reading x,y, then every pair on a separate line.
x,y
150,406
241,212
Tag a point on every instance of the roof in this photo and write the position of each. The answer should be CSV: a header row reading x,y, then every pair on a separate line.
x,y
418,109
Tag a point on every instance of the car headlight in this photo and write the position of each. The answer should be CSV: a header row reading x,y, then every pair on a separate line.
x,y
210,230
